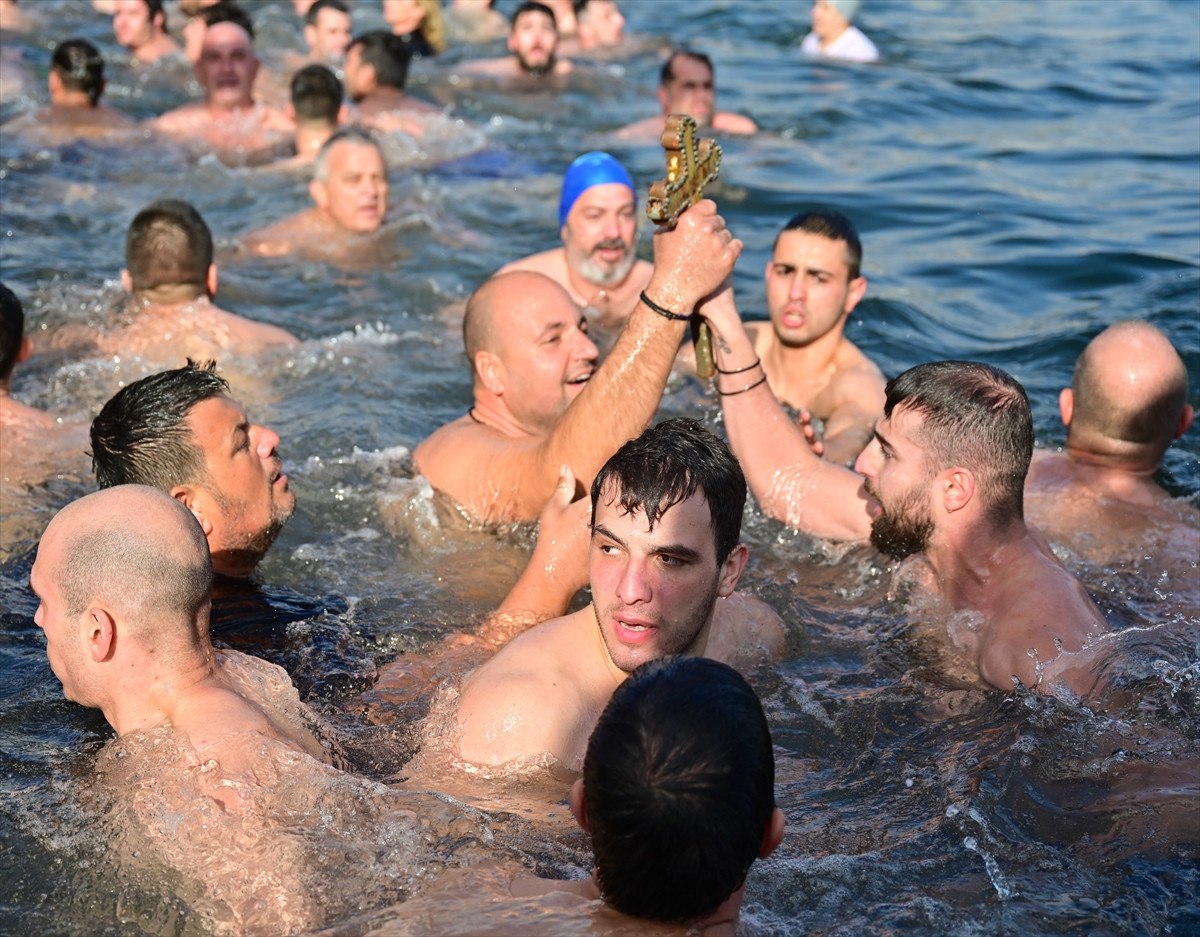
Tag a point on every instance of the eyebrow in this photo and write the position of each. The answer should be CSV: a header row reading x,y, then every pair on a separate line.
x,y
667,549
883,443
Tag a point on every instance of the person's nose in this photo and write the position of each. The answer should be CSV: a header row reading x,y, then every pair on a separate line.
x,y
797,288
585,348
634,585
867,463
266,442
611,228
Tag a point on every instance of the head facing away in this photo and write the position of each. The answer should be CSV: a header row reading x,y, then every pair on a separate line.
x,y
179,432
327,30
678,789
376,59
687,85
350,184
13,343
316,96
533,38
1128,396
959,417
169,253
127,564
666,521
597,215
77,67
812,278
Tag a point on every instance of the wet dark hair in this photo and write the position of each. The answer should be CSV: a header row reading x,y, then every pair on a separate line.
x,y
832,225
12,330
310,18
387,53
226,11
316,94
532,6
976,416
679,788
156,9
168,244
667,75
80,67
141,436
667,464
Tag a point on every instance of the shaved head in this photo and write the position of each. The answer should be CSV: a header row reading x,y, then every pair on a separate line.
x,y
499,301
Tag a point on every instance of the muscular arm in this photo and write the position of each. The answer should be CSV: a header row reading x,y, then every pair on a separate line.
x,y
790,482
857,402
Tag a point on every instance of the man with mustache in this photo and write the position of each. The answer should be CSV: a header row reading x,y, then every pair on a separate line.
x,y
943,477
533,42
597,263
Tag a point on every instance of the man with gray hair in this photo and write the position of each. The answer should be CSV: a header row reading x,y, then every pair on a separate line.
x,y
349,190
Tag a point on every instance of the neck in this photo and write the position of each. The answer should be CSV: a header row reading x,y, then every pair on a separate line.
x,y
1113,458
382,95
155,696
73,100
967,560
170,298
808,360
490,410
311,137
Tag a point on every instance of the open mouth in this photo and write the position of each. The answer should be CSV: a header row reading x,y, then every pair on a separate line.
x,y
582,378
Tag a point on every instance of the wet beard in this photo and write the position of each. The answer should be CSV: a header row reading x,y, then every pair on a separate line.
x,y
594,272
537,71
903,531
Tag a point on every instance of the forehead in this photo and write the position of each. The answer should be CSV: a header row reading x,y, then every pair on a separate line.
x,y
226,37
214,420
805,244
354,155
686,68
329,17
533,19
687,523
903,427
132,6
609,196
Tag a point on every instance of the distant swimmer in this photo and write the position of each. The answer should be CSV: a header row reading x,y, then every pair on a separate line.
x,y
76,82
833,36
376,74
418,24
475,21
664,552
123,577
349,190
533,41
540,401
678,795
813,284
601,27
942,478
327,31
229,120
141,27
598,220
204,13
180,432
317,107
688,85
1126,404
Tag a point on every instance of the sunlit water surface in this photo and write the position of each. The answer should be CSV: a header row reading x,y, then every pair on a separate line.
x,y
1022,175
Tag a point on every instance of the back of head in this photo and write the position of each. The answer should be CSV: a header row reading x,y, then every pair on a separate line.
x,y
1130,389
668,464
532,6
317,95
168,250
226,11
79,67
678,784
667,75
975,416
388,54
832,225
12,331
139,552
357,135
141,436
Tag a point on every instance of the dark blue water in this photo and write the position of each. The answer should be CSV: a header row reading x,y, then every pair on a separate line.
x,y
1022,174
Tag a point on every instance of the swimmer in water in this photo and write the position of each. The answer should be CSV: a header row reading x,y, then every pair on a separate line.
x,y
229,120
664,552
317,108
598,219
141,27
688,85
678,794
349,190
376,75
813,284
540,401
122,577
600,25
533,41
180,432
942,478
1126,404
327,31
75,82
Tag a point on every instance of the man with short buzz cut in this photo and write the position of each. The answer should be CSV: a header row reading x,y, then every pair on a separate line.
x,y
814,282
317,107
687,84
942,478
665,527
180,432
349,190
141,27
75,83
597,262
533,41
540,401
327,30
1126,404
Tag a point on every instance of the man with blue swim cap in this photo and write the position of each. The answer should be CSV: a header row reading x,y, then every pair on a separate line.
x,y
597,217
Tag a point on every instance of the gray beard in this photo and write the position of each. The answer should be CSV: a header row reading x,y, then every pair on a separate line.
x,y
595,273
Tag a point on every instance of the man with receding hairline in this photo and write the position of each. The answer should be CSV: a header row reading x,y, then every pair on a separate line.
x,y
1126,404
688,85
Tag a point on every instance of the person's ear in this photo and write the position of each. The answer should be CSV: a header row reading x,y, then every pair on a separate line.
x,y
126,280
100,633
1185,420
320,194
579,805
731,570
343,114
858,288
196,500
662,98
512,42
773,835
211,280
54,84
25,350
1066,405
491,371
956,486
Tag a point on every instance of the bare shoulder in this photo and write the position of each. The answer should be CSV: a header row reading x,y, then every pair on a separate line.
x,y
746,632
251,335
551,263
728,122
181,119
642,129
277,239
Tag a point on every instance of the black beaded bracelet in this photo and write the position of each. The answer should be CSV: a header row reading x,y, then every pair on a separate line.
x,y
734,393
749,367
665,313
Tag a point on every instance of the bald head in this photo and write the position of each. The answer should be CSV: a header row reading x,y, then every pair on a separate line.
x,y
503,299
135,550
1129,393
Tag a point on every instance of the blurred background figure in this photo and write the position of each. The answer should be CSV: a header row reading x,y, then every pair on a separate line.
x,y
833,37
419,23
141,27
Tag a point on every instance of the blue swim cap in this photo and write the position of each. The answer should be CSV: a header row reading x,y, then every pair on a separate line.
x,y
590,169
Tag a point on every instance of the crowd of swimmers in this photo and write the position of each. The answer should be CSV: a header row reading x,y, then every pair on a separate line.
x,y
635,692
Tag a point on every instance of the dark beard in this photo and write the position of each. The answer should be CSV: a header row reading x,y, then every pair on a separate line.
x,y
537,71
900,534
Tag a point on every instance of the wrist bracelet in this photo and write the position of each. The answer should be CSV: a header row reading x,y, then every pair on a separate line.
x,y
665,313
734,393
749,367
